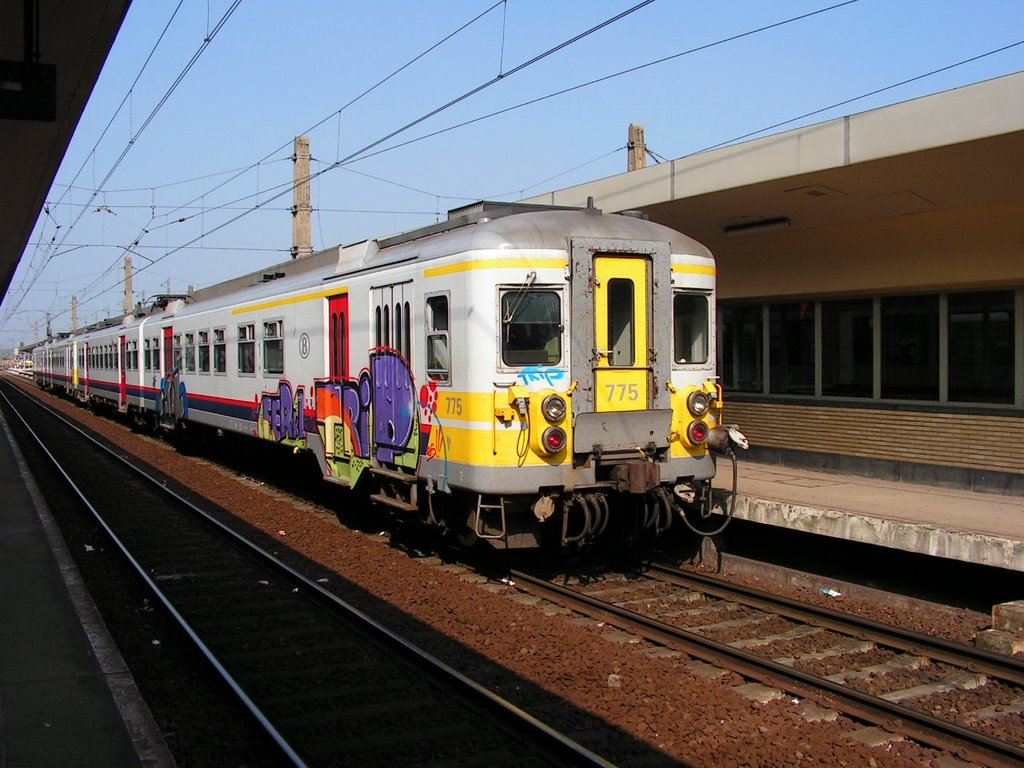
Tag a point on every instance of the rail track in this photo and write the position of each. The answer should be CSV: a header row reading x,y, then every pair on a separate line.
x,y
840,661
328,684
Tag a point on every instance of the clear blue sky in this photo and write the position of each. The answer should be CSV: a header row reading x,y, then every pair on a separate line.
x,y
274,70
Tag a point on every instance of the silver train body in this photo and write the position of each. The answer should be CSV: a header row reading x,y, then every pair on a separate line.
x,y
519,375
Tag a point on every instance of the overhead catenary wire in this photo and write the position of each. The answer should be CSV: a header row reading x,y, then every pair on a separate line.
x,y
99,187
413,123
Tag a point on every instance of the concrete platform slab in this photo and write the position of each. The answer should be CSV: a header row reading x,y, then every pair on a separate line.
x,y
979,528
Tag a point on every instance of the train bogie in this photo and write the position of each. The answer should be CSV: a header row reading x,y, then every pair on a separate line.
x,y
520,376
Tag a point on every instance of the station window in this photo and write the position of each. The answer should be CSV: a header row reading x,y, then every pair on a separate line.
x,y
220,350
247,349
690,328
742,348
791,348
190,352
436,322
531,327
910,347
848,347
981,346
273,347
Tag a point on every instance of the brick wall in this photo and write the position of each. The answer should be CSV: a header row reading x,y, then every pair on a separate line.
x,y
989,443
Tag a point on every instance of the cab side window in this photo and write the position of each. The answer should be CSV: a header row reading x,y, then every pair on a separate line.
x,y
437,325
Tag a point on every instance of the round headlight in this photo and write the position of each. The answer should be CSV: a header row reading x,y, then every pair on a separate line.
x,y
553,439
697,432
553,407
698,403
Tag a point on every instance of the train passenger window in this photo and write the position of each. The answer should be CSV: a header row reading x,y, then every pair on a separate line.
x,y
190,352
146,361
220,351
177,353
436,322
531,327
377,336
398,327
204,351
690,328
408,333
247,349
386,326
273,347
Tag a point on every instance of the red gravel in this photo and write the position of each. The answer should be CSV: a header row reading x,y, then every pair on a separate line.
x,y
665,703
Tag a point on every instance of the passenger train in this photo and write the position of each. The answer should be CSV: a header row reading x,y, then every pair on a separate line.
x,y
522,375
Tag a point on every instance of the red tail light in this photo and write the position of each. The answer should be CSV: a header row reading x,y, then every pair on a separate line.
x,y
697,432
553,439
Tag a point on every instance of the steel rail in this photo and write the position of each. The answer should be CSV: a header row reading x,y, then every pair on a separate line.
x,y
1004,668
921,727
550,739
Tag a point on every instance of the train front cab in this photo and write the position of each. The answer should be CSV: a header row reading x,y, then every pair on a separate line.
x,y
645,401
620,446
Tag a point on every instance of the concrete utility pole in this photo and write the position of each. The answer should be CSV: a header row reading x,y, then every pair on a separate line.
x,y
302,211
636,147
35,330
127,285
74,313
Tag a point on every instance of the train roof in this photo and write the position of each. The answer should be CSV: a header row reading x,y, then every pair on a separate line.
x,y
482,226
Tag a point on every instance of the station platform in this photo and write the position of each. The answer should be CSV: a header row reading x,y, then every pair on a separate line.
x,y
979,528
66,696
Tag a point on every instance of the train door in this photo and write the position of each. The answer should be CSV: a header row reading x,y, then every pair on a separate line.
x,y
167,358
337,310
122,361
86,380
393,396
621,354
171,405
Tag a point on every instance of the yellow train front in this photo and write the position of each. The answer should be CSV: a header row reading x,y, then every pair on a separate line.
x,y
567,389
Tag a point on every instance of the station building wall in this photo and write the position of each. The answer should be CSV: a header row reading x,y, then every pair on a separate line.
x,y
890,347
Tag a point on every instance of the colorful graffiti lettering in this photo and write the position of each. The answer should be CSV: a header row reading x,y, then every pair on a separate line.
x,y
282,414
394,406
376,411
349,402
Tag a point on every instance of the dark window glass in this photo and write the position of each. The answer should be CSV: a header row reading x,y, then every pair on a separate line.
x,y
247,349
438,359
847,348
791,348
408,333
220,351
531,327
690,328
910,347
742,348
190,352
981,347
273,348
204,351
621,333
399,339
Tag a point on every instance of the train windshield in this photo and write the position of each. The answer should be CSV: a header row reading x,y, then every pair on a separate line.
x,y
531,332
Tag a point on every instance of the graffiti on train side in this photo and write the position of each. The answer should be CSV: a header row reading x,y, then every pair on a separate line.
x,y
376,412
283,416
